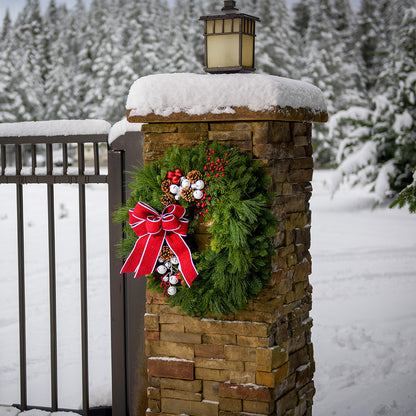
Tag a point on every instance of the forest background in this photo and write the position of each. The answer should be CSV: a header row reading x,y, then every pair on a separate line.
x,y
79,63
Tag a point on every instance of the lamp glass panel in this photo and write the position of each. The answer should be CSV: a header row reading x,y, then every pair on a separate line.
x,y
228,25
248,45
210,26
236,25
223,51
218,26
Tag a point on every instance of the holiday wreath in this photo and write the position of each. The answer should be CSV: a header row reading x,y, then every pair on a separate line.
x,y
225,189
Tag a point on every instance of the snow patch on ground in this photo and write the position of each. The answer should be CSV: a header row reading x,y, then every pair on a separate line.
x,y
196,94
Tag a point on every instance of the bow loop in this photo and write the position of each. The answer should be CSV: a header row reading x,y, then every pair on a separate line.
x,y
153,229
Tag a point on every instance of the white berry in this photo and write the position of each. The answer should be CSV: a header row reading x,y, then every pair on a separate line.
x,y
198,194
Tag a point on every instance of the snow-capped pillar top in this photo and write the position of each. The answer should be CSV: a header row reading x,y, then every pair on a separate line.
x,y
223,97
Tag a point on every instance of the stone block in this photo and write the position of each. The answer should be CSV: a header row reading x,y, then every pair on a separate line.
x,y
178,406
296,220
154,405
242,377
211,374
280,132
220,339
245,341
180,394
151,322
193,386
262,408
159,128
274,378
219,364
169,349
300,129
237,353
232,405
245,392
188,338
300,175
153,393
287,402
299,358
210,390
152,335
268,359
301,140
181,369
209,351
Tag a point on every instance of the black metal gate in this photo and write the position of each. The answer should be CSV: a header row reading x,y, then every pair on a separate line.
x,y
127,300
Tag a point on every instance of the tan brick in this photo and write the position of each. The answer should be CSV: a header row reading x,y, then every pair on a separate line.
x,y
169,349
209,351
221,339
274,378
268,359
219,364
170,318
159,128
192,127
151,322
178,327
237,353
242,377
154,405
300,129
239,135
213,375
256,316
301,140
176,406
232,405
296,220
231,126
254,341
300,175
245,392
286,402
263,408
188,338
210,390
180,394
153,393
170,368
152,335
193,386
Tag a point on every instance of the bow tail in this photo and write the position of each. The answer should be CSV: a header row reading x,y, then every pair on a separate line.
x,y
143,257
183,253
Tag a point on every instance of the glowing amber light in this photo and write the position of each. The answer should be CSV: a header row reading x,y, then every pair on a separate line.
x,y
229,40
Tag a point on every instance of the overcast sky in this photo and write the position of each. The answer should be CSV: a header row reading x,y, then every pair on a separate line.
x,y
15,6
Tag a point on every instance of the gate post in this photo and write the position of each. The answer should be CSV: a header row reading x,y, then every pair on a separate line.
x,y
127,295
259,360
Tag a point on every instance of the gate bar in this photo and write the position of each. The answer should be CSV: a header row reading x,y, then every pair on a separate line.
x,y
52,280
21,272
83,282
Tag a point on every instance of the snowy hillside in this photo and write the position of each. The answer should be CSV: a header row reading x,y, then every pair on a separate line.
x,y
364,279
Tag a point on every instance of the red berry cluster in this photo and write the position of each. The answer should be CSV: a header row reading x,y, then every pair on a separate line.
x,y
165,285
214,167
175,176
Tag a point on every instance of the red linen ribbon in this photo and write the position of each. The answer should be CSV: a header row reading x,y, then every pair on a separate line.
x,y
153,229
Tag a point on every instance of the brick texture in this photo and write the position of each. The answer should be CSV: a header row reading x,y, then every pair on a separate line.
x,y
260,360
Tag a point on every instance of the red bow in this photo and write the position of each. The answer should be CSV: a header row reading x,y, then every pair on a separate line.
x,y
153,229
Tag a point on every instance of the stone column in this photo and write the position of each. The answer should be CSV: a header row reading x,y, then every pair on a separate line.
x,y
260,360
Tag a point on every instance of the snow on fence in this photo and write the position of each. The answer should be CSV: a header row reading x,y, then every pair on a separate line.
x,y
72,152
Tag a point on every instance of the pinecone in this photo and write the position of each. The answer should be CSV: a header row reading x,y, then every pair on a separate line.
x,y
166,185
187,194
194,175
166,253
167,199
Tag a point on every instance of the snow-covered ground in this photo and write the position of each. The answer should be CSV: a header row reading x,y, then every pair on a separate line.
x,y
364,279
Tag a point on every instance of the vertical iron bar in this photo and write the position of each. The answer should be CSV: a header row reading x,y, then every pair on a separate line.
x,y
3,159
64,158
52,280
33,152
96,159
21,273
83,277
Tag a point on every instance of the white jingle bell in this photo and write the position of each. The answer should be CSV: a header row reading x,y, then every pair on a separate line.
x,y
174,261
173,280
161,260
198,185
171,290
174,189
198,194
167,264
161,269
178,197
166,278
185,183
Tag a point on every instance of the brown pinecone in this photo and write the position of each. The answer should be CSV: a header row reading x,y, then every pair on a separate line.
x,y
166,253
194,175
166,185
167,199
187,194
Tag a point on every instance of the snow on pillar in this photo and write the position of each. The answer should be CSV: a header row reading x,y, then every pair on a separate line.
x,y
259,360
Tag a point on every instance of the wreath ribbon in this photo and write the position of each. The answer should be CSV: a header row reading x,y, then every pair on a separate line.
x,y
153,229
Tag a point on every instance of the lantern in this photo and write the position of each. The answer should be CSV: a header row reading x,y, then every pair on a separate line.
x,y
229,40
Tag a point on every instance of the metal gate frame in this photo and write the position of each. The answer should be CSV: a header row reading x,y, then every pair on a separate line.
x,y
127,296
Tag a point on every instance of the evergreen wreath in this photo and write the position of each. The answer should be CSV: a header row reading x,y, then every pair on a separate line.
x,y
234,203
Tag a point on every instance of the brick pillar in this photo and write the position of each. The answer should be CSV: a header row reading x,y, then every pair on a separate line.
x,y
259,360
